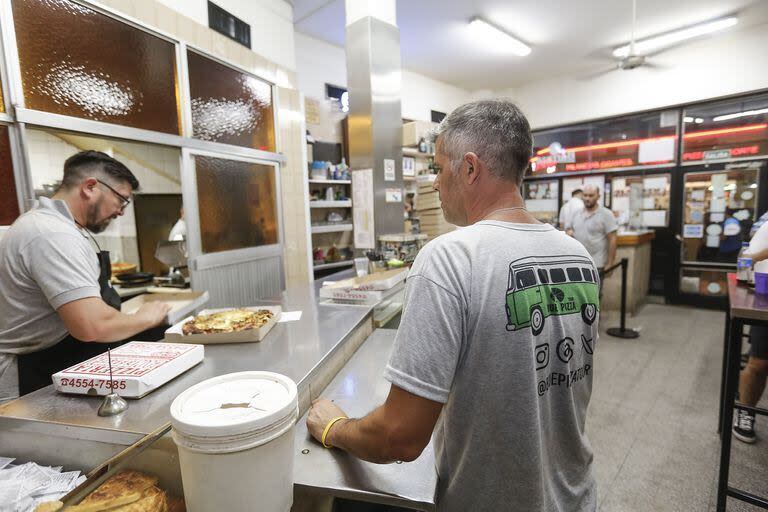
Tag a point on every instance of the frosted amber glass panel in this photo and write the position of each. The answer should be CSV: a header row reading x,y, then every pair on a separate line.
x,y
229,106
9,204
238,204
78,62
2,101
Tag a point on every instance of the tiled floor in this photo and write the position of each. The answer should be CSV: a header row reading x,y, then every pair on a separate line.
x,y
652,420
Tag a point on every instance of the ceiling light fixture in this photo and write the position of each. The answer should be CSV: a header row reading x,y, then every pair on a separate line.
x,y
495,37
651,44
735,115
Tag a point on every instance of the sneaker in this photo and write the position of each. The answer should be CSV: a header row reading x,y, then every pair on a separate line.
x,y
744,426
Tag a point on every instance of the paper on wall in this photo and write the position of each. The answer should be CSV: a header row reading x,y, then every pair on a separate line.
x,y
389,169
713,241
649,203
693,230
697,195
656,183
659,150
654,218
362,210
717,205
394,195
716,217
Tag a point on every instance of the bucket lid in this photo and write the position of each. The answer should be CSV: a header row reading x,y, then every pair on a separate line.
x,y
234,404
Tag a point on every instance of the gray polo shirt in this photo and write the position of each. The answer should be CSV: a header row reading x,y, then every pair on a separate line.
x,y
45,262
592,229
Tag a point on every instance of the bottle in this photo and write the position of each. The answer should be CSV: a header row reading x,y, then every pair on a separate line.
x,y
422,145
743,264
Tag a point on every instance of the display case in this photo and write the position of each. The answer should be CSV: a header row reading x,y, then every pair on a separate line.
x,y
541,200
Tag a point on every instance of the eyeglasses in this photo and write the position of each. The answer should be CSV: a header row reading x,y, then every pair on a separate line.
x,y
125,201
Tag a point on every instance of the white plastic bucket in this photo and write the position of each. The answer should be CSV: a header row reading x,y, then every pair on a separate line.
x,y
235,438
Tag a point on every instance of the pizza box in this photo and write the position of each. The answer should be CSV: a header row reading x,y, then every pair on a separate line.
x,y
182,303
138,368
176,335
380,281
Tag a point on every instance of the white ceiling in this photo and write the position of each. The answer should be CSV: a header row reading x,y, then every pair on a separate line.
x,y
567,36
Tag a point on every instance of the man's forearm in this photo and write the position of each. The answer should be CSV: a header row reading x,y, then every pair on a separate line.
x,y
611,250
371,439
119,327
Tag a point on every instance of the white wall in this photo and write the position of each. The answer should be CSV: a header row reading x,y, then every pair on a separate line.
x,y
728,64
271,24
318,63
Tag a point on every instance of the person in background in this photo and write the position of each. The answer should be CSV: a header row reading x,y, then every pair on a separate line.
x,y
483,376
179,230
595,227
55,292
569,209
754,376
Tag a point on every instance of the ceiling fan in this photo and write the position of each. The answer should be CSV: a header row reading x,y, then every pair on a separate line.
x,y
631,60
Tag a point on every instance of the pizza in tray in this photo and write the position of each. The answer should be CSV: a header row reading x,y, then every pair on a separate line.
x,y
231,320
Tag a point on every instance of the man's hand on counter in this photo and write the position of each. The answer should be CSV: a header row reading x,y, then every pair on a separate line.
x,y
399,429
321,413
153,313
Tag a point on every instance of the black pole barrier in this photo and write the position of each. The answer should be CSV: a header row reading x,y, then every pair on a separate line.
x,y
623,331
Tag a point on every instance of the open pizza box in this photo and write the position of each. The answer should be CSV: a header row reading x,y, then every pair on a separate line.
x,y
176,334
183,303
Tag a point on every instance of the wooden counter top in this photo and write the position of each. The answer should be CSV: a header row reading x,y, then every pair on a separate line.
x,y
636,238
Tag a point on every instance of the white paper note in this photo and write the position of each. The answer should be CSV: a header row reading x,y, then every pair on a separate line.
x,y
289,316
713,241
362,211
693,231
389,169
654,218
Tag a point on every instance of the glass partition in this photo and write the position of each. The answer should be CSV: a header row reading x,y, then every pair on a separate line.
x,y
238,204
9,203
718,213
541,200
230,106
728,129
641,201
78,62
634,141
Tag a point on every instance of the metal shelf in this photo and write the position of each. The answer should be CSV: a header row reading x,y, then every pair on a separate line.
x,y
332,182
335,264
332,228
331,204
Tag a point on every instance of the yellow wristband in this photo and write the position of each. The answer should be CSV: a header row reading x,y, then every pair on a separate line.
x,y
328,429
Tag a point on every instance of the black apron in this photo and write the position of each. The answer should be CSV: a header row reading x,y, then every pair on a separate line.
x,y
35,369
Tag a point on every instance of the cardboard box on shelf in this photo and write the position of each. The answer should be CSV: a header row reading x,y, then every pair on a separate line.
x,y
415,130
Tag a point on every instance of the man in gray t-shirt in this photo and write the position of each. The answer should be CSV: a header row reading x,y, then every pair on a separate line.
x,y
595,227
494,351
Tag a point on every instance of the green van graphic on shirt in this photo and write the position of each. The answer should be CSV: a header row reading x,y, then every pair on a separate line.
x,y
544,286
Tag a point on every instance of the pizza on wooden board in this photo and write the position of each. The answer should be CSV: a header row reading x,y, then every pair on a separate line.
x,y
231,320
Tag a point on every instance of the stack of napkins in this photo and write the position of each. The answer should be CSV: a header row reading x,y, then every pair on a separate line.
x,y
25,486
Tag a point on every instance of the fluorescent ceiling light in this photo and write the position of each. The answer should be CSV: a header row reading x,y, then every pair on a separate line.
x,y
726,117
651,44
497,38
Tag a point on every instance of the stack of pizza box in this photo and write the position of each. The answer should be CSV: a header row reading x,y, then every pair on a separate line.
x,y
431,218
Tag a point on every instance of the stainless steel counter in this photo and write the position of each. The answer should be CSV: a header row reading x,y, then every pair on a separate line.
x,y
298,349
358,388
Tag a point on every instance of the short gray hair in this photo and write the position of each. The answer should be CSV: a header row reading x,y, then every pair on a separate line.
x,y
495,130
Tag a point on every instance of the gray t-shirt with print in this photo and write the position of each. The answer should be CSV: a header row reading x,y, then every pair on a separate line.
x,y
45,262
499,324
592,229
